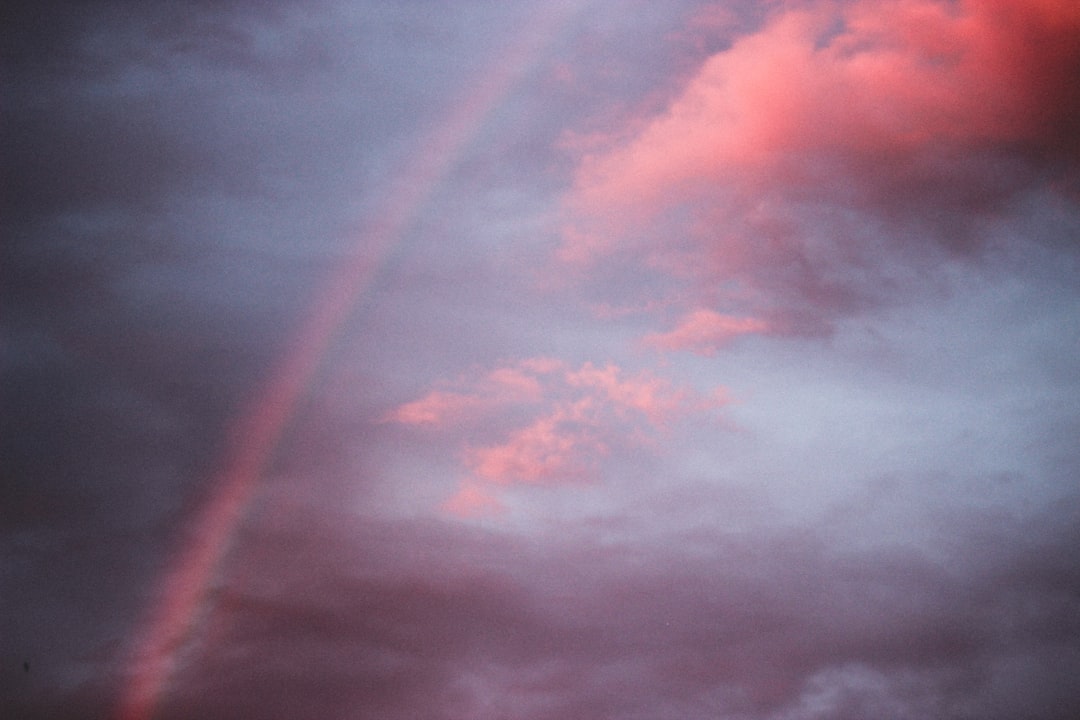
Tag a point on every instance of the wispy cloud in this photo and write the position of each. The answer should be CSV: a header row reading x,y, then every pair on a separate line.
x,y
705,331
564,421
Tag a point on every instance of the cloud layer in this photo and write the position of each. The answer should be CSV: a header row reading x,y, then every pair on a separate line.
x,y
692,359
838,151
563,422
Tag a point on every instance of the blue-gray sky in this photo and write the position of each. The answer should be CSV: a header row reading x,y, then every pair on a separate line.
x,y
622,360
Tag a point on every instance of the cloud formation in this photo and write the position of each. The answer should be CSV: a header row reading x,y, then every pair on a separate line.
x,y
823,160
775,627
564,421
705,331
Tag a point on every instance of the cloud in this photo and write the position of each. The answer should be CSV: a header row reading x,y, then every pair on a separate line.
x,y
822,163
705,331
433,409
502,386
555,448
329,617
564,421
472,500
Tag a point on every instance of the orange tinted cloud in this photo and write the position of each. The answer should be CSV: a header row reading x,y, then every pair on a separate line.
x,y
839,138
553,449
655,398
704,331
899,77
503,386
433,409
553,424
472,500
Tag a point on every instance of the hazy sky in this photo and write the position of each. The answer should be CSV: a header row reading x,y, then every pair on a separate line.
x,y
610,359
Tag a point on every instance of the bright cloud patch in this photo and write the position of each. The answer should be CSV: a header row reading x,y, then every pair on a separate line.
x,y
504,386
563,422
705,331
829,158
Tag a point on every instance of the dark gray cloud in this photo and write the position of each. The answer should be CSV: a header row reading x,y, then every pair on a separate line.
x,y
428,620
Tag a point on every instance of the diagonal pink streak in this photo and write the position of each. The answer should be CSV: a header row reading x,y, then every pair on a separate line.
x,y
172,620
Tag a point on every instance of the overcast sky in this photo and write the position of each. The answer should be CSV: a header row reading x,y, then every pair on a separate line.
x,y
606,359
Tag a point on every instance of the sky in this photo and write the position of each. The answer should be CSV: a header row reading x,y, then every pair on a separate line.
x,y
603,359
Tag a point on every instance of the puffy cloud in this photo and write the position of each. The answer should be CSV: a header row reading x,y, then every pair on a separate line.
x,y
654,397
558,447
836,153
564,421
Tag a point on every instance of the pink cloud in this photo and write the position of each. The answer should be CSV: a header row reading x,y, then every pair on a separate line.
x,y
554,424
653,397
900,76
433,409
472,500
502,386
801,167
704,331
553,449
